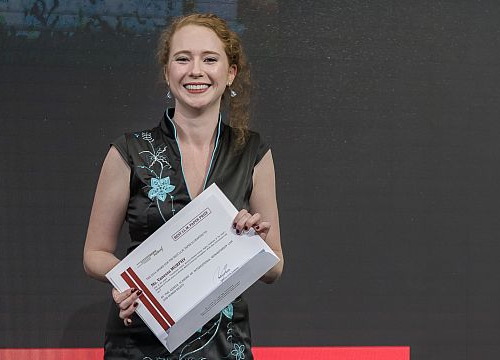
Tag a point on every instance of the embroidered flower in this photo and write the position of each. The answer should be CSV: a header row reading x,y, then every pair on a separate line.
x,y
228,311
238,351
160,187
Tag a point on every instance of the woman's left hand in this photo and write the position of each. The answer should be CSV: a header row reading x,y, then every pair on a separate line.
x,y
244,221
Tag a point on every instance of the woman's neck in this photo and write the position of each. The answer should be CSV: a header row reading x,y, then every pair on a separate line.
x,y
196,128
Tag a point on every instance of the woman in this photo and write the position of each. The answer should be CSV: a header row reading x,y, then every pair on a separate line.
x,y
150,175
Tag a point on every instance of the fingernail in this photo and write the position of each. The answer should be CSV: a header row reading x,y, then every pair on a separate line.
x,y
237,232
136,304
129,321
139,293
257,227
245,228
134,290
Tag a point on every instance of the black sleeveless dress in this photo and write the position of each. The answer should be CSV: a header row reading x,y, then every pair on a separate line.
x,y
158,191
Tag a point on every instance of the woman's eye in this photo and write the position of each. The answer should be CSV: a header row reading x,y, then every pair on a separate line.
x,y
182,59
210,59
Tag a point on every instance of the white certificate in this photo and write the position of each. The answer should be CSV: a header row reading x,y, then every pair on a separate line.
x,y
192,267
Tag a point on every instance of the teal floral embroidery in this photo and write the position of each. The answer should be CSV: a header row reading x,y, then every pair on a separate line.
x,y
159,186
238,351
228,311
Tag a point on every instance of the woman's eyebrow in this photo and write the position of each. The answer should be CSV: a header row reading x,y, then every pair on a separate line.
x,y
204,52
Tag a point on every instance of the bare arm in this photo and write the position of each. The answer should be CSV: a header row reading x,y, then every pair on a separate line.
x,y
107,216
263,201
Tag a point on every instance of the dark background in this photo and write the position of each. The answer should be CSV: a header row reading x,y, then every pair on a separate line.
x,y
384,123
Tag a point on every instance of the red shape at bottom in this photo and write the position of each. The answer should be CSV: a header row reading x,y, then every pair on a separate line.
x,y
260,353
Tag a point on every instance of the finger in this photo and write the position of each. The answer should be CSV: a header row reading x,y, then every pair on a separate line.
x,y
118,297
239,216
127,321
126,313
263,226
241,222
253,220
115,293
126,303
262,229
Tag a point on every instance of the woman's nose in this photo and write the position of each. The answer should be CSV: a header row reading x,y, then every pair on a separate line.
x,y
196,68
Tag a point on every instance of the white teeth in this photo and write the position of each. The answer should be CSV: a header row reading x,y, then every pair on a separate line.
x,y
196,87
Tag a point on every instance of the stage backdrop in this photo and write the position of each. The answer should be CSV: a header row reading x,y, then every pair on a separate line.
x,y
384,123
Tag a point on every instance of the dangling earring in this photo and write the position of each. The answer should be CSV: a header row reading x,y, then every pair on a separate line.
x,y
232,93
169,94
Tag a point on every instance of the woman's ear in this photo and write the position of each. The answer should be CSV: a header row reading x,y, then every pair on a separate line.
x,y
233,70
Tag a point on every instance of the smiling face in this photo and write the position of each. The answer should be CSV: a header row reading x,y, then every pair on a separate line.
x,y
197,70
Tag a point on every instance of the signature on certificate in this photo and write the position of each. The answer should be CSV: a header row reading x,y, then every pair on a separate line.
x,y
221,273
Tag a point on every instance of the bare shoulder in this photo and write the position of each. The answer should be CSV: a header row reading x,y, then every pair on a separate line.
x,y
110,201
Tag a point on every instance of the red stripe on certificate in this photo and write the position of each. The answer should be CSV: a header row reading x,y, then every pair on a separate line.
x,y
151,297
146,302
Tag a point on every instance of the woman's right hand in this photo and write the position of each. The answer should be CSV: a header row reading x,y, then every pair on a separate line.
x,y
127,302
